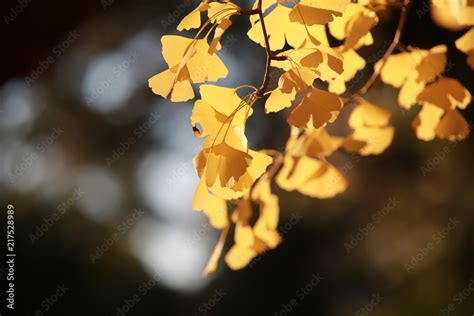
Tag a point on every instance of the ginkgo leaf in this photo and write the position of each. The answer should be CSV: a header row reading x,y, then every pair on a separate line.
x,y
244,235
259,164
293,81
446,93
409,92
397,69
325,61
318,143
438,116
251,241
311,177
462,11
316,109
354,26
426,122
279,28
411,71
219,107
215,208
224,100
205,67
234,136
193,19
352,63
432,65
246,246
422,65
372,132
239,256
466,45
168,84
219,32
453,126
433,121
267,223
220,11
360,30
225,164
243,212
231,171
189,62
278,100
321,12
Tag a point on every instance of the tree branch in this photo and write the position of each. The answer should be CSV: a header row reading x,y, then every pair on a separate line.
x,y
270,56
391,48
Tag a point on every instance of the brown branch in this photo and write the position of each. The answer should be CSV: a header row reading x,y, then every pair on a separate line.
x,y
266,78
391,48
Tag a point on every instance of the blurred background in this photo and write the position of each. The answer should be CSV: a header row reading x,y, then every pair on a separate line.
x,y
100,172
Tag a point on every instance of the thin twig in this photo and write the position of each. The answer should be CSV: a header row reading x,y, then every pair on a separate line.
x,y
391,48
270,56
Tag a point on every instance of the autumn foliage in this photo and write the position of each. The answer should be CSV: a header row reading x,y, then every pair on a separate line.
x,y
294,35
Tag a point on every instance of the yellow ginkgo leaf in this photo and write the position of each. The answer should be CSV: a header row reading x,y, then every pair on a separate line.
x,y
246,246
411,71
259,164
222,99
324,60
215,208
193,19
422,65
354,26
360,30
311,177
409,92
267,223
225,164
442,121
446,93
220,11
279,28
453,14
230,172
372,132
432,64
169,84
320,12
397,69
318,143
244,234
218,108
316,109
239,256
291,83
219,32
453,126
205,67
466,45
352,63
189,62
243,212
426,122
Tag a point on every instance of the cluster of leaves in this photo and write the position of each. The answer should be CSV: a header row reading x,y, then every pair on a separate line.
x,y
294,35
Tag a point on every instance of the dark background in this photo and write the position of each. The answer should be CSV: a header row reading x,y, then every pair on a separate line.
x,y
143,198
